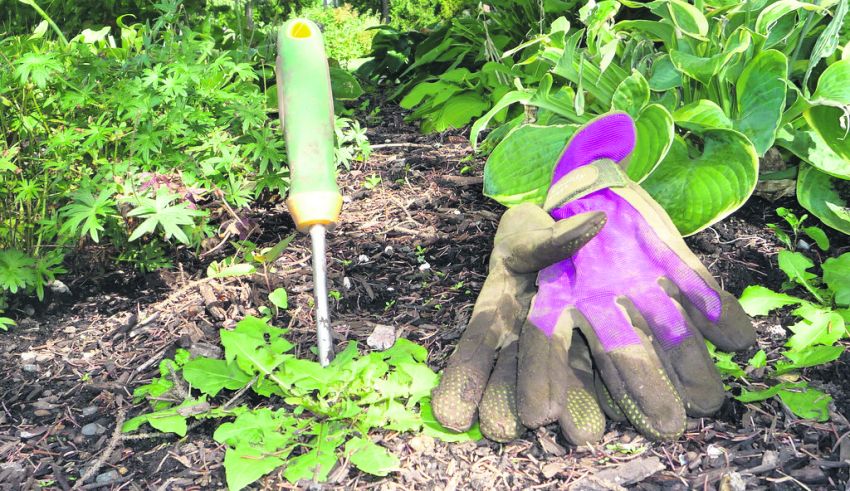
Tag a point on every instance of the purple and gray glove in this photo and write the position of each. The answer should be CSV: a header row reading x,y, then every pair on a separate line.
x,y
639,297
615,329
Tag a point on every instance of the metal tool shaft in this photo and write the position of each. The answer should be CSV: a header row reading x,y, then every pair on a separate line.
x,y
320,293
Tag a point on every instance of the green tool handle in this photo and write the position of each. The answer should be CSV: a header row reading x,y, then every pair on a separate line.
x,y
306,107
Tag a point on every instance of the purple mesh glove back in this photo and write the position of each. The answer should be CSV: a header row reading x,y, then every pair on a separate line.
x,y
640,297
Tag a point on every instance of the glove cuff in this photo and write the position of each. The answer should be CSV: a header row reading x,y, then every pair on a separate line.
x,y
597,175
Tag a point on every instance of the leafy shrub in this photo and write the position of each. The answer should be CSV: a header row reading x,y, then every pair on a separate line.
x,y
461,68
76,15
328,412
344,29
417,14
136,135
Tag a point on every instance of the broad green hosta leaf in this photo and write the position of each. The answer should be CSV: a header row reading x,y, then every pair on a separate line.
x,y
520,168
761,98
832,124
702,115
664,76
688,18
456,112
655,133
429,92
758,300
343,84
836,274
810,147
815,143
698,191
559,102
768,17
834,85
830,114
631,95
816,193
653,30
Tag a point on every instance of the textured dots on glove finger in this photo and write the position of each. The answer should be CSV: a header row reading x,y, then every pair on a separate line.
x,y
640,420
613,407
669,384
499,421
455,400
585,411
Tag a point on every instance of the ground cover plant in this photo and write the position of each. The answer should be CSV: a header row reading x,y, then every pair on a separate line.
x,y
821,325
328,412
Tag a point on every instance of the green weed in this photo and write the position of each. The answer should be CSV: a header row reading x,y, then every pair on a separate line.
x,y
327,413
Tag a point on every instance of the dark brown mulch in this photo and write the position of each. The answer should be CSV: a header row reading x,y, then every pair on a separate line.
x,y
412,253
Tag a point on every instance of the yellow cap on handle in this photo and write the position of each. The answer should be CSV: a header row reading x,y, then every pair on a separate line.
x,y
314,208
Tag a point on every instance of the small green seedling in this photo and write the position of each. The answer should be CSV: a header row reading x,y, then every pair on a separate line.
x,y
372,181
420,253
791,240
279,299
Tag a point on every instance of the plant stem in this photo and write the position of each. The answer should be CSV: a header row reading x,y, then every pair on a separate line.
x,y
803,33
46,17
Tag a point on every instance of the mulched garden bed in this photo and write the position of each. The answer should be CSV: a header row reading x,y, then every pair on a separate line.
x,y
411,253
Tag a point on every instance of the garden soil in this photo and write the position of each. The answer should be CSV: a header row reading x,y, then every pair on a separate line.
x,y
410,253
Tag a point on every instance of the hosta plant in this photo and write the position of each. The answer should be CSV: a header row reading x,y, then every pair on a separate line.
x,y
708,89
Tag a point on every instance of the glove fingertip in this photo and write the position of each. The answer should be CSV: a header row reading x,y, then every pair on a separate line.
x,y
499,420
736,327
582,420
452,402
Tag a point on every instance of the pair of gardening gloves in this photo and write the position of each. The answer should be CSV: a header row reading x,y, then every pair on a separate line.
x,y
617,326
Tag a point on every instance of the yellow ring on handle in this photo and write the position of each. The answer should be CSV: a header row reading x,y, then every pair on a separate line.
x,y
314,207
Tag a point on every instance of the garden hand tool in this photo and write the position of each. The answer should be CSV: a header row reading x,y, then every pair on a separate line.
x,y
640,298
527,240
305,104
